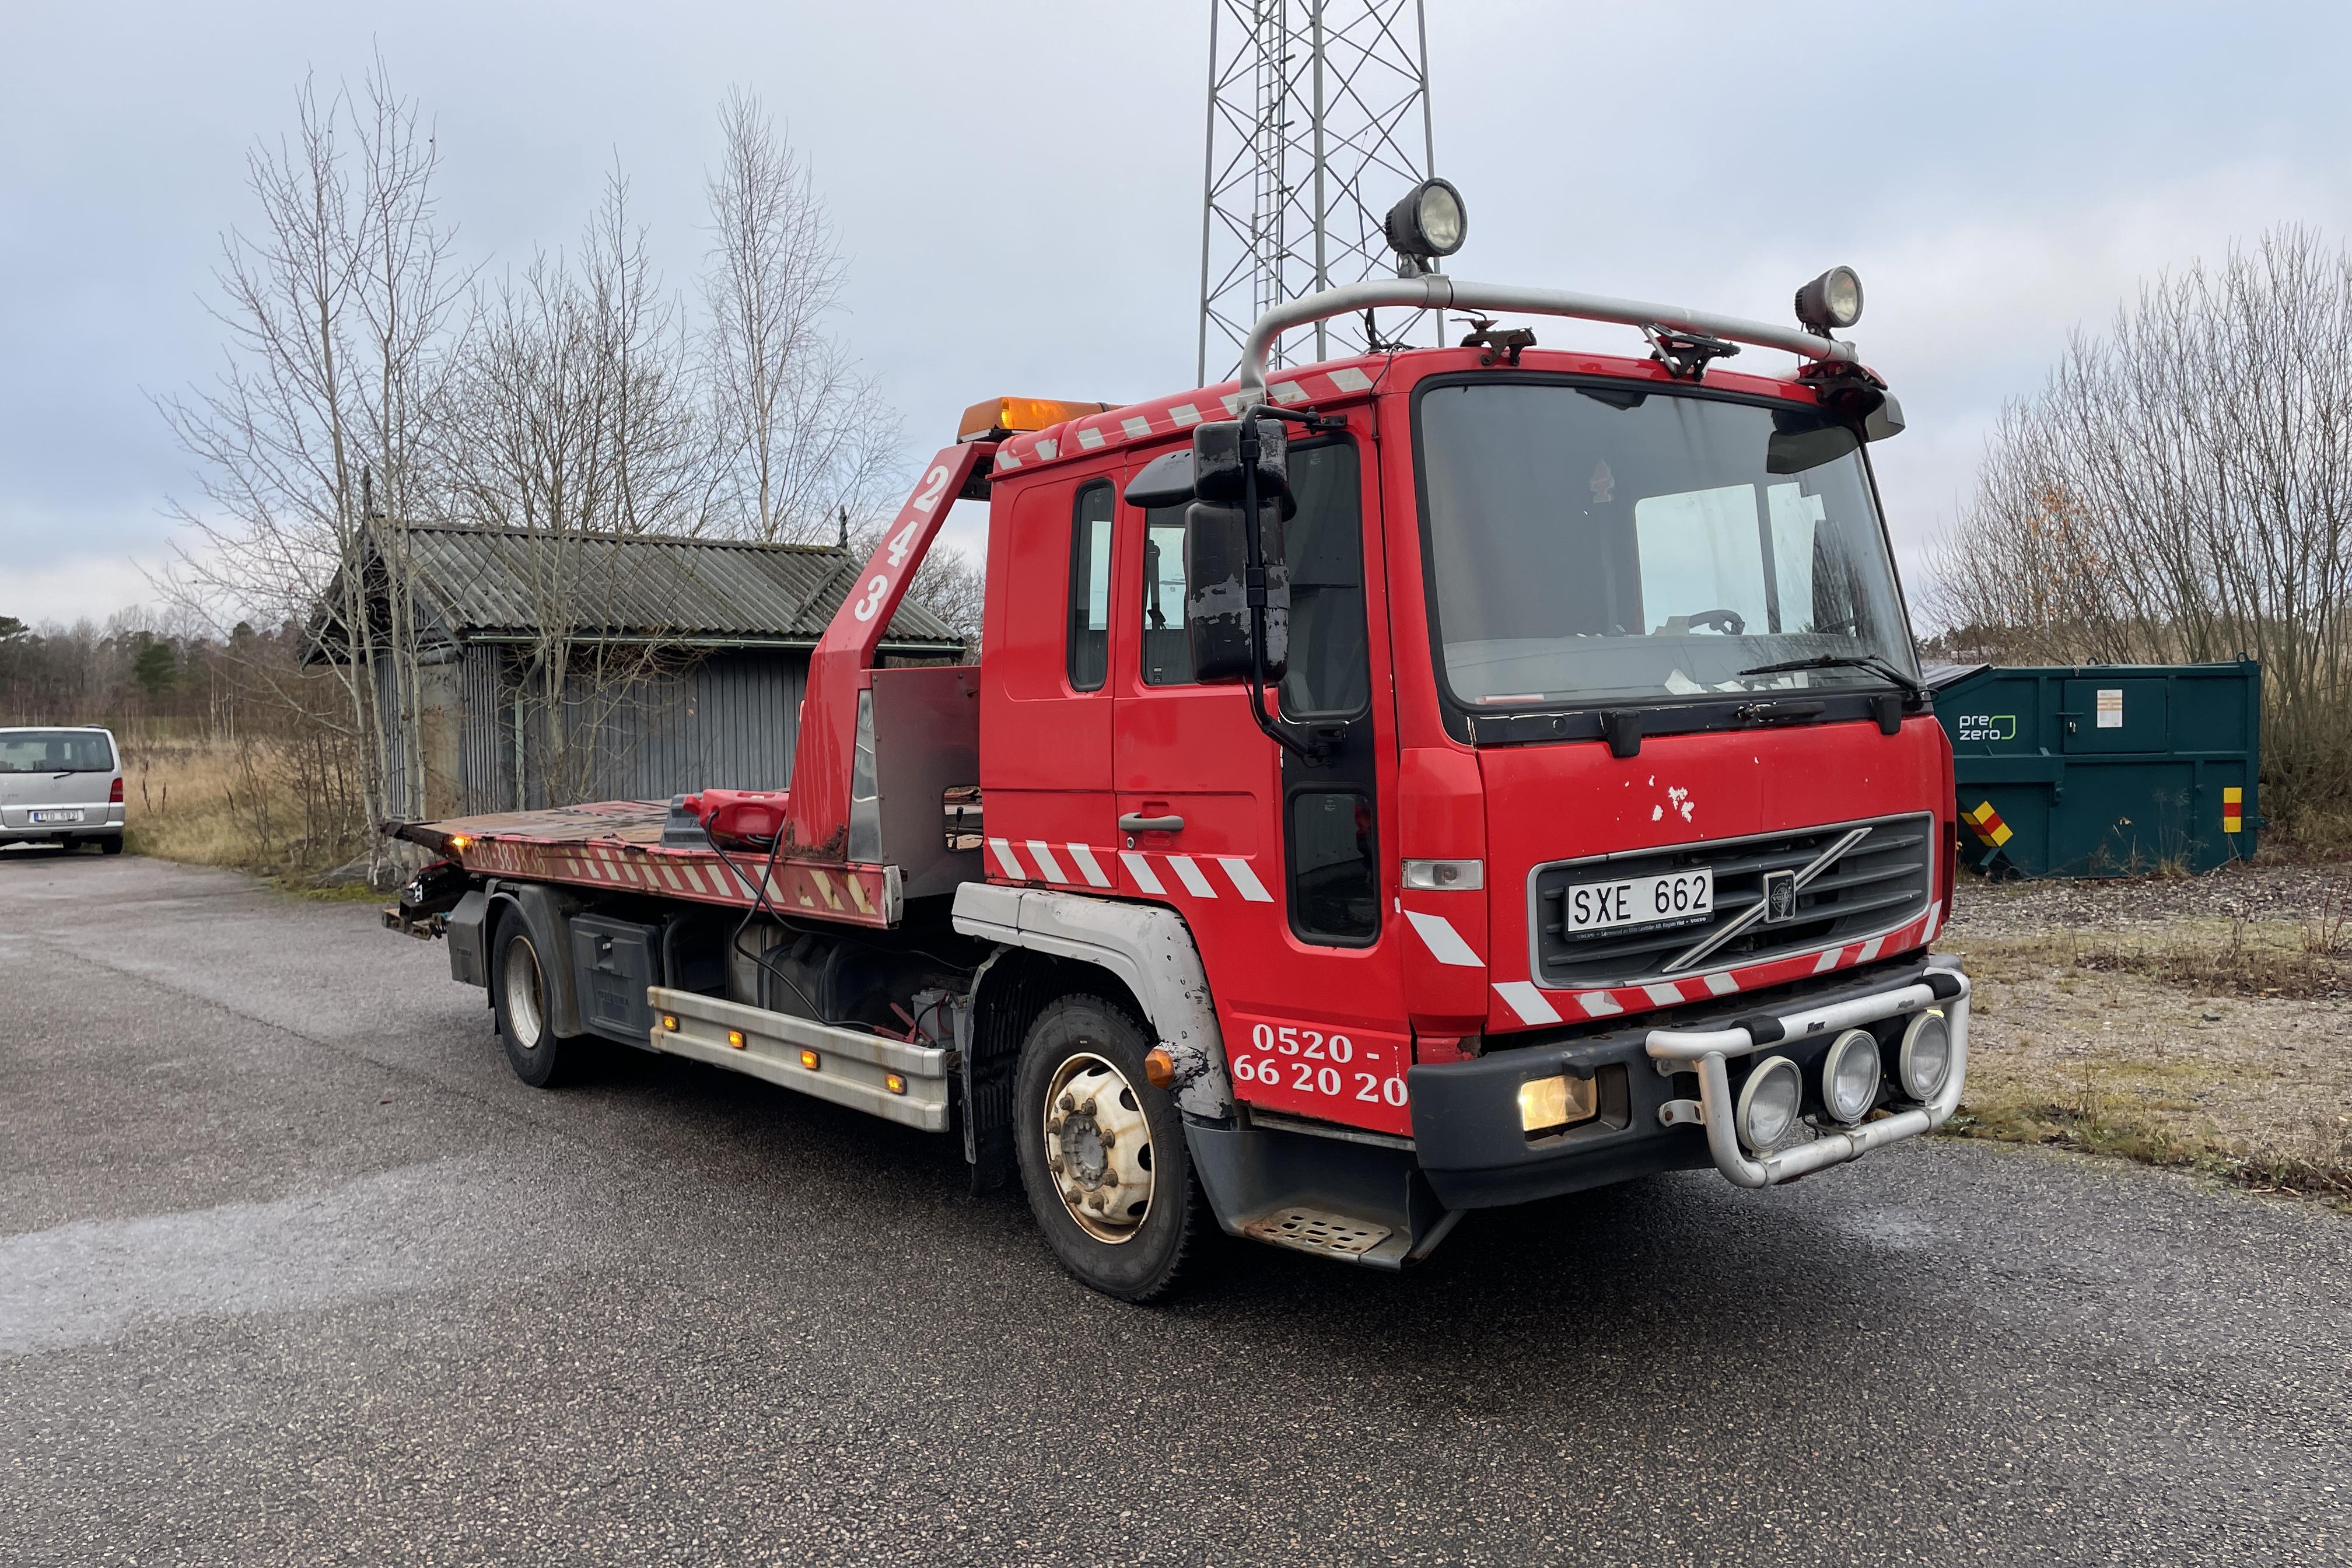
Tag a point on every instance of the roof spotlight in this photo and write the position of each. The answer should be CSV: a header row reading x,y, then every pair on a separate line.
x,y
1429,223
1833,300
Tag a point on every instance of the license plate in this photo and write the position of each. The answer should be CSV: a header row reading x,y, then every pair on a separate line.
x,y
56,816
1640,900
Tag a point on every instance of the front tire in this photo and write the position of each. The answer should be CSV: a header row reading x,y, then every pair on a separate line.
x,y
540,1056
1103,1157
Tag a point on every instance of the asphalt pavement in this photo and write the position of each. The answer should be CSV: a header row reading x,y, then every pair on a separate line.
x,y
292,1269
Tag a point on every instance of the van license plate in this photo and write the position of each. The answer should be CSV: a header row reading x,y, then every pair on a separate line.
x,y
1640,900
56,816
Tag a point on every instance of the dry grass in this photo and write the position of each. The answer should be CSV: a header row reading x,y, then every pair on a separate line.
x,y
216,802
2207,1045
2303,961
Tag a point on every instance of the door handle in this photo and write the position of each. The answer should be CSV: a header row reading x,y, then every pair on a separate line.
x,y
1136,822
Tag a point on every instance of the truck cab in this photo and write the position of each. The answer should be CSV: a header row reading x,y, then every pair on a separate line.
x,y
1543,611
1418,782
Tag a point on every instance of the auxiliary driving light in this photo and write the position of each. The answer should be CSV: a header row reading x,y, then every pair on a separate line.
x,y
1926,1060
1850,1076
1769,1103
1548,1103
1429,223
1833,300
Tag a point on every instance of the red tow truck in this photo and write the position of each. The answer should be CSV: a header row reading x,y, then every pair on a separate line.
x,y
1430,779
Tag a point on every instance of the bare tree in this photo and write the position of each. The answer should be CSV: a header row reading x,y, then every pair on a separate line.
x,y
804,433
2182,489
318,428
578,421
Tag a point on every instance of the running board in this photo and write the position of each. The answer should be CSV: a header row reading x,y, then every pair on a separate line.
x,y
1355,1203
852,1069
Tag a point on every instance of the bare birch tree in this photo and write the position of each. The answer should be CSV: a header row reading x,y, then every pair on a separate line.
x,y
804,433
2182,489
335,309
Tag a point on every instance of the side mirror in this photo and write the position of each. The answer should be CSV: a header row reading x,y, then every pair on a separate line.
x,y
1217,471
1216,605
1165,482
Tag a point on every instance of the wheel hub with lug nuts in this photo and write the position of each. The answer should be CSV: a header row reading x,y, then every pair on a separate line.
x,y
1098,1148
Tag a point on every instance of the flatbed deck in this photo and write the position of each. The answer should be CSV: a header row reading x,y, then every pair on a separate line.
x,y
615,845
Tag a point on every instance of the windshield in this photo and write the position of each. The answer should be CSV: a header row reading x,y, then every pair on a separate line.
x,y
56,752
1607,543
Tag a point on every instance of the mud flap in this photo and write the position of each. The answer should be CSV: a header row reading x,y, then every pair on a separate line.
x,y
1357,1202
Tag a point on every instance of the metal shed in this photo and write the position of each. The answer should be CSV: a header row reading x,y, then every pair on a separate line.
x,y
683,660
2104,769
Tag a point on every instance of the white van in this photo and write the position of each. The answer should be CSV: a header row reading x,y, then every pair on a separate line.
x,y
61,786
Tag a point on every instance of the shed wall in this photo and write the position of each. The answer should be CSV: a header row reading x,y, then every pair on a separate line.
x,y
728,719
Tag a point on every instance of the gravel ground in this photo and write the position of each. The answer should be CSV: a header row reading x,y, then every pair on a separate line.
x,y
2022,909
293,1270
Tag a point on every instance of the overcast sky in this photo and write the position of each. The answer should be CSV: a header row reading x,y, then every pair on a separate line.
x,y
1017,188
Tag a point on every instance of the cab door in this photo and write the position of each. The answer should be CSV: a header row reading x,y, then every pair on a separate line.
x,y
1276,863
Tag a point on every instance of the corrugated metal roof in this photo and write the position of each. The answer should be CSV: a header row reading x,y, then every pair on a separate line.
x,y
489,583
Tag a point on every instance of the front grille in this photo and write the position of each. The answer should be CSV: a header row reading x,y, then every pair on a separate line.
x,y
1880,883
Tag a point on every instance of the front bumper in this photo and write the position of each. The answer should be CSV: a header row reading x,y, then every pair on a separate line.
x,y
1469,1142
1706,1052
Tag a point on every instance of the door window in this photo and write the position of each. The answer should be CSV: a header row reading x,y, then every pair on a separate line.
x,y
1167,653
1090,588
1335,890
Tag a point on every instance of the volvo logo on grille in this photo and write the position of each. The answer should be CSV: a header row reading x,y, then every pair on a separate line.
x,y
1780,896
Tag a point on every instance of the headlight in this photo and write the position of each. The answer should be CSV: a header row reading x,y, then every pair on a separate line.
x,y
1850,1076
1833,300
1926,1059
1769,1103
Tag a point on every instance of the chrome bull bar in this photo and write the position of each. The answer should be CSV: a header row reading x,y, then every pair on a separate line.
x,y
1705,1052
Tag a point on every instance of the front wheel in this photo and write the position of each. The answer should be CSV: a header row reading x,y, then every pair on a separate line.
x,y
1102,1152
540,1056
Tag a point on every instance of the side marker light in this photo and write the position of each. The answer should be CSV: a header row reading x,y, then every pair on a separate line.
x,y
810,1060
894,1083
735,1038
669,1021
1159,1068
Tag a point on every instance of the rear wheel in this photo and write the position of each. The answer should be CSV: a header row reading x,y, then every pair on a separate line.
x,y
1102,1152
111,845
540,1056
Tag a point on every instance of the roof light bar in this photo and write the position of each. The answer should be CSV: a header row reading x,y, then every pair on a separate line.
x,y
1000,416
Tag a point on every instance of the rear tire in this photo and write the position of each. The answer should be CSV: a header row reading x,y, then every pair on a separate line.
x,y
1122,1211
111,845
540,1056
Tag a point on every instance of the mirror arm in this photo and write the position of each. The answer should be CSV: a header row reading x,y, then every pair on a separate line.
x,y
1311,752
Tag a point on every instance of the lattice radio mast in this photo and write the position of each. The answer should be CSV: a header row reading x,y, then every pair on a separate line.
x,y
1319,122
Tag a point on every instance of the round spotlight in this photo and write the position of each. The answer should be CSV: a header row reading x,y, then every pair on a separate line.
x,y
1430,222
1926,1060
1833,300
1850,1076
1769,1103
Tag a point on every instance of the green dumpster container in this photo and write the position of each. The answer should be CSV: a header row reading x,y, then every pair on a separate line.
x,y
2103,770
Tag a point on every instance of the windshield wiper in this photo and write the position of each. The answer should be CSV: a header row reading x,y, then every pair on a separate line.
x,y
1869,662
